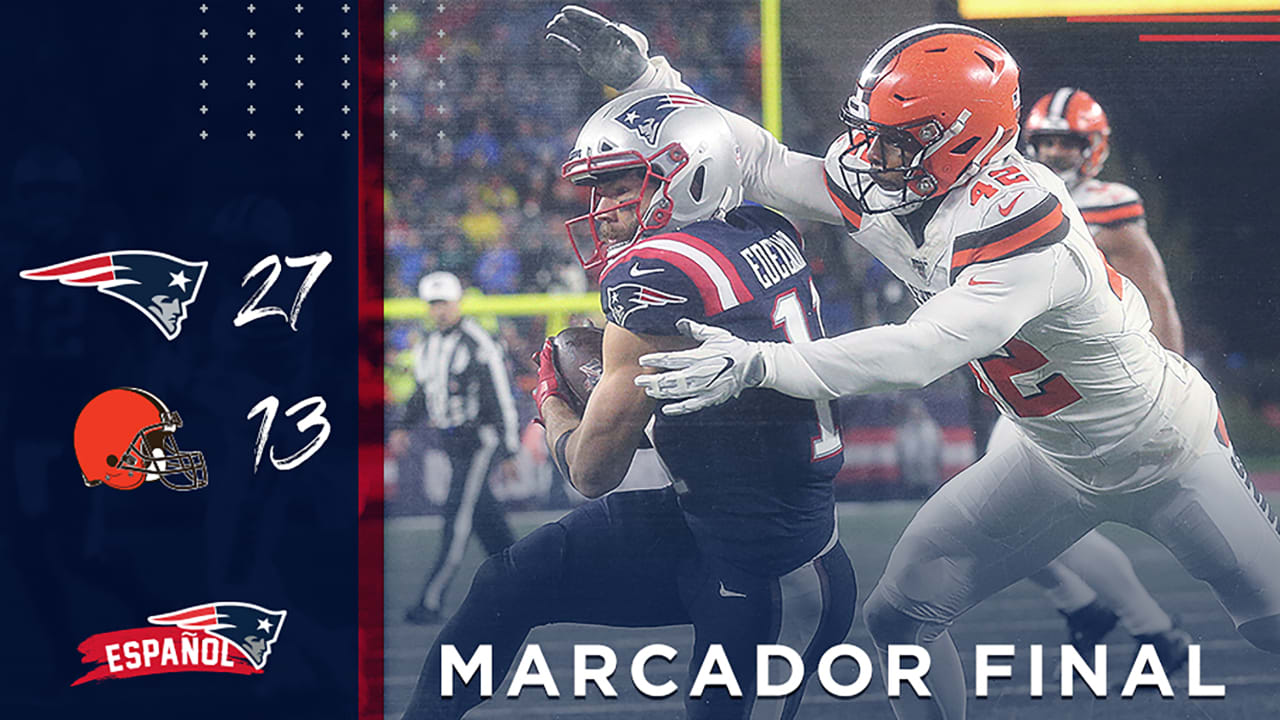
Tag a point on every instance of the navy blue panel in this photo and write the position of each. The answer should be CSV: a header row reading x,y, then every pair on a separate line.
x,y
102,152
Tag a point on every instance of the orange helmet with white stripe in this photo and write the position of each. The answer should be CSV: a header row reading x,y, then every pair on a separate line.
x,y
947,96
1074,113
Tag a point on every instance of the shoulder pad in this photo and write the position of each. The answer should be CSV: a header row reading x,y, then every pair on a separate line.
x,y
763,221
1005,212
680,272
1106,204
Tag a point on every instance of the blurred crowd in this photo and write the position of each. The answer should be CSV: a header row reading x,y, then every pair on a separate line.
x,y
473,176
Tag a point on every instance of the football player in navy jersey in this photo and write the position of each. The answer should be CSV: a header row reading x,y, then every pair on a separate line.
x,y
743,543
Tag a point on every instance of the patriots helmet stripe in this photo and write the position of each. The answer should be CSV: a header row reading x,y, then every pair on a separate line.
x,y
251,628
158,285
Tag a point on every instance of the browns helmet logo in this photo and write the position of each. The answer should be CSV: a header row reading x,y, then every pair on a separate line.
x,y
124,437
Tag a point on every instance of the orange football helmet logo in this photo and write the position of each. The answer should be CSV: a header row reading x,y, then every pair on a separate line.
x,y
124,437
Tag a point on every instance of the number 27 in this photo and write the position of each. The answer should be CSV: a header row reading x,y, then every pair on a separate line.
x,y
250,310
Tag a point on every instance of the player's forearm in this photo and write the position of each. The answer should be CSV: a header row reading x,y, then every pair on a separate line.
x,y
597,455
772,174
660,75
965,322
1165,323
878,359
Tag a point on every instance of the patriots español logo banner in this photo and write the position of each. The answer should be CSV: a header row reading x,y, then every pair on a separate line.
x,y
159,286
646,116
222,637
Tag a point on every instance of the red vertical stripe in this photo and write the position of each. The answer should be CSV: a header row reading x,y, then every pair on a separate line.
x,y
369,648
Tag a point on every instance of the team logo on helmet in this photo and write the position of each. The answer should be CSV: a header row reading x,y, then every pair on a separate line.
x,y
222,637
125,437
626,298
645,117
160,286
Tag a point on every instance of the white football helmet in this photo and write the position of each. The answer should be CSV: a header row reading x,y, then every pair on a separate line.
x,y
683,145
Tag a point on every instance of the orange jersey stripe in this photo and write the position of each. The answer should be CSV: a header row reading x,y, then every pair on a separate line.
x,y
1009,245
1107,216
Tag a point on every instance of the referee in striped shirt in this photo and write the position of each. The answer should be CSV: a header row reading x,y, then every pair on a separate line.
x,y
464,392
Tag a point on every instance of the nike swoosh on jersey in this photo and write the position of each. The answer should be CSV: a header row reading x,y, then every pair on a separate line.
x,y
976,281
1006,209
726,592
635,271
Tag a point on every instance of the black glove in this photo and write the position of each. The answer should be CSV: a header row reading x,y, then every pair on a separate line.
x,y
602,50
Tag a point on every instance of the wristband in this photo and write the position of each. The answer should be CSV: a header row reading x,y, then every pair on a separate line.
x,y
558,454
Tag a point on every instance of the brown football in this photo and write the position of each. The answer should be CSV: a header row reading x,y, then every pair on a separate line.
x,y
579,365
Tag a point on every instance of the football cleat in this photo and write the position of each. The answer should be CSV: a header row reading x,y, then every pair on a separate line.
x,y
1087,626
1171,646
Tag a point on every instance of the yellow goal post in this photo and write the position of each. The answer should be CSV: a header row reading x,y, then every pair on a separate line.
x,y
558,308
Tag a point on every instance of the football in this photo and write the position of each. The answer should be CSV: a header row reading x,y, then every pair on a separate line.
x,y
579,363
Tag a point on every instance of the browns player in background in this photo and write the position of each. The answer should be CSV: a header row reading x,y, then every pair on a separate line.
x,y
1068,131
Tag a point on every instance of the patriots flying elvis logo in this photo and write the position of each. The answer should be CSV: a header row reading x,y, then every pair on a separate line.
x,y
646,116
221,637
626,298
160,286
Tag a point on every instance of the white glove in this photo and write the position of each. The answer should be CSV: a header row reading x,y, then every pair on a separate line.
x,y
712,373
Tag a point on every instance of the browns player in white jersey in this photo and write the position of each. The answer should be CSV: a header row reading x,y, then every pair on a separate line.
x,y
1068,131
1093,583
1113,427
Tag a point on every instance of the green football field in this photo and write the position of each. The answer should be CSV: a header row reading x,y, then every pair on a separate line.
x,y
1019,615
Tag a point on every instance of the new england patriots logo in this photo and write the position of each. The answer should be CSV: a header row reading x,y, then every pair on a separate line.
x,y
626,298
646,116
160,286
250,628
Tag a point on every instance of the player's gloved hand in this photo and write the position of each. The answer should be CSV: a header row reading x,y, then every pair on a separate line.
x,y
712,373
609,52
548,378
